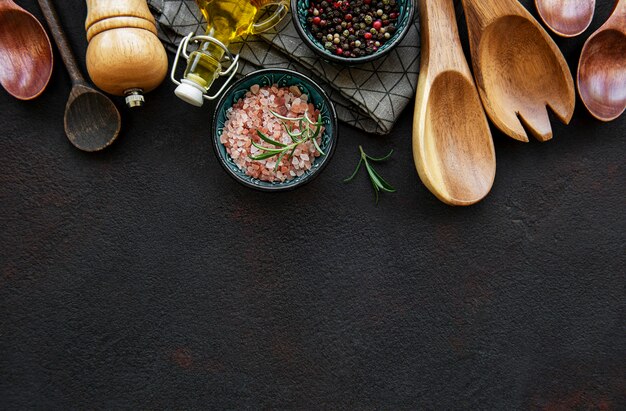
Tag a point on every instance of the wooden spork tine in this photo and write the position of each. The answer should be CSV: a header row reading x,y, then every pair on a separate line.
x,y
519,70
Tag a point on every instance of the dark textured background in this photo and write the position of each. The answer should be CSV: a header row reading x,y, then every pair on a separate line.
x,y
144,276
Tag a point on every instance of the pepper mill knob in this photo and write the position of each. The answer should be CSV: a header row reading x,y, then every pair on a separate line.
x,y
124,56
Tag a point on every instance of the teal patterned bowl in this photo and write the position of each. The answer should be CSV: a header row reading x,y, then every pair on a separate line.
x,y
283,78
299,13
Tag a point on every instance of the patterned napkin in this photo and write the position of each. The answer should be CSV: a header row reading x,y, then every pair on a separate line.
x,y
370,97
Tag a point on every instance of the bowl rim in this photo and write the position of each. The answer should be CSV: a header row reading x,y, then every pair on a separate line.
x,y
280,186
351,61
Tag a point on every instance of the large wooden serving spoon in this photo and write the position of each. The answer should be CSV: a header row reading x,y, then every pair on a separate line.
x,y
518,68
602,69
567,18
25,52
452,144
92,121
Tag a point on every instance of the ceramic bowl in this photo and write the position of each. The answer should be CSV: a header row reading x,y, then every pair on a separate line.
x,y
299,10
282,78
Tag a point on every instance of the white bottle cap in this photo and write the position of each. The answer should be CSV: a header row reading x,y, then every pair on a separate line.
x,y
190,92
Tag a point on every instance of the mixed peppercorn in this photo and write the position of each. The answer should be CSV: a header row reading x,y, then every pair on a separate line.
x,y
353,28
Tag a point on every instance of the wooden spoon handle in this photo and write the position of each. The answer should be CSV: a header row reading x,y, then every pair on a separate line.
x,y
61,40
8,5
618,17
443,43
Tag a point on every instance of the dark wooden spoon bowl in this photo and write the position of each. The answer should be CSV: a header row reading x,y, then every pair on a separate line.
x,y
602,69
92,122
25,52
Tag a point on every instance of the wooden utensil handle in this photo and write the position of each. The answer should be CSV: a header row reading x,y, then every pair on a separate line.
x,y
440,17
439,26
61,41
618,18
7,4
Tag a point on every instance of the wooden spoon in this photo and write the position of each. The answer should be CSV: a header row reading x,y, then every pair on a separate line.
x,y
25,52
92,121
602,69
519,69
452,144
567,18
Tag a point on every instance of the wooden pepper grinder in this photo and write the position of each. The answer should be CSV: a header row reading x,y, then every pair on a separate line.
x,y
124,56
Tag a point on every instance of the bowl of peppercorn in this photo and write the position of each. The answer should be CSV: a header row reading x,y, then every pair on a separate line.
x,y
352,32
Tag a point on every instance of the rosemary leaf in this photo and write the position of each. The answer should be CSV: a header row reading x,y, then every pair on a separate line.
x,y
263,156
373,176
384,185
378,183
278,116
269,140
385,158
268,149
317,146
356,171
294,136
316,133
280,158
292,150
376,191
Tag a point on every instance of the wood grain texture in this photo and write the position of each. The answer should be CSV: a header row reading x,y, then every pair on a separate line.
x,y
452,144
26,58
61,41
123,21
601,73
124,52
567,18
519,70
98,10
91,120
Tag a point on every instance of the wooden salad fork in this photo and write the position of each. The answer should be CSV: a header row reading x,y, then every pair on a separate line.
x,y
519,70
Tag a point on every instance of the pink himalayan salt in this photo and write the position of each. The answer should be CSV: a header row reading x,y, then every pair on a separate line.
x,y
252,113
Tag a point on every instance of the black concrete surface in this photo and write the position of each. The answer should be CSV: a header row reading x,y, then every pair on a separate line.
x,y
144,277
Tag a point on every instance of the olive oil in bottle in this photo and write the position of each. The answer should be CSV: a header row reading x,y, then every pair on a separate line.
x,y
226,20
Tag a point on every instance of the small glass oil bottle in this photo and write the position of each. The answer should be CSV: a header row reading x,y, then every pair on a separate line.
x,y
226,20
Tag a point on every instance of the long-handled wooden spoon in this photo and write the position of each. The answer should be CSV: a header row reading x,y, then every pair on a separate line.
x,y
92,121
602,68
567,18
518,68
25,52
452,144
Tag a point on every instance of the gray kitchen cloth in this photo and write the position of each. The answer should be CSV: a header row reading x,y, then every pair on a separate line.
x,y
370,97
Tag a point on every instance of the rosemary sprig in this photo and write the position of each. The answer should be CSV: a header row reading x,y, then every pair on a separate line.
x,y
307,130
378,183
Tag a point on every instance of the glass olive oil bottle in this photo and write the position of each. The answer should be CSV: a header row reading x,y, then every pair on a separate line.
x,y
226,20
